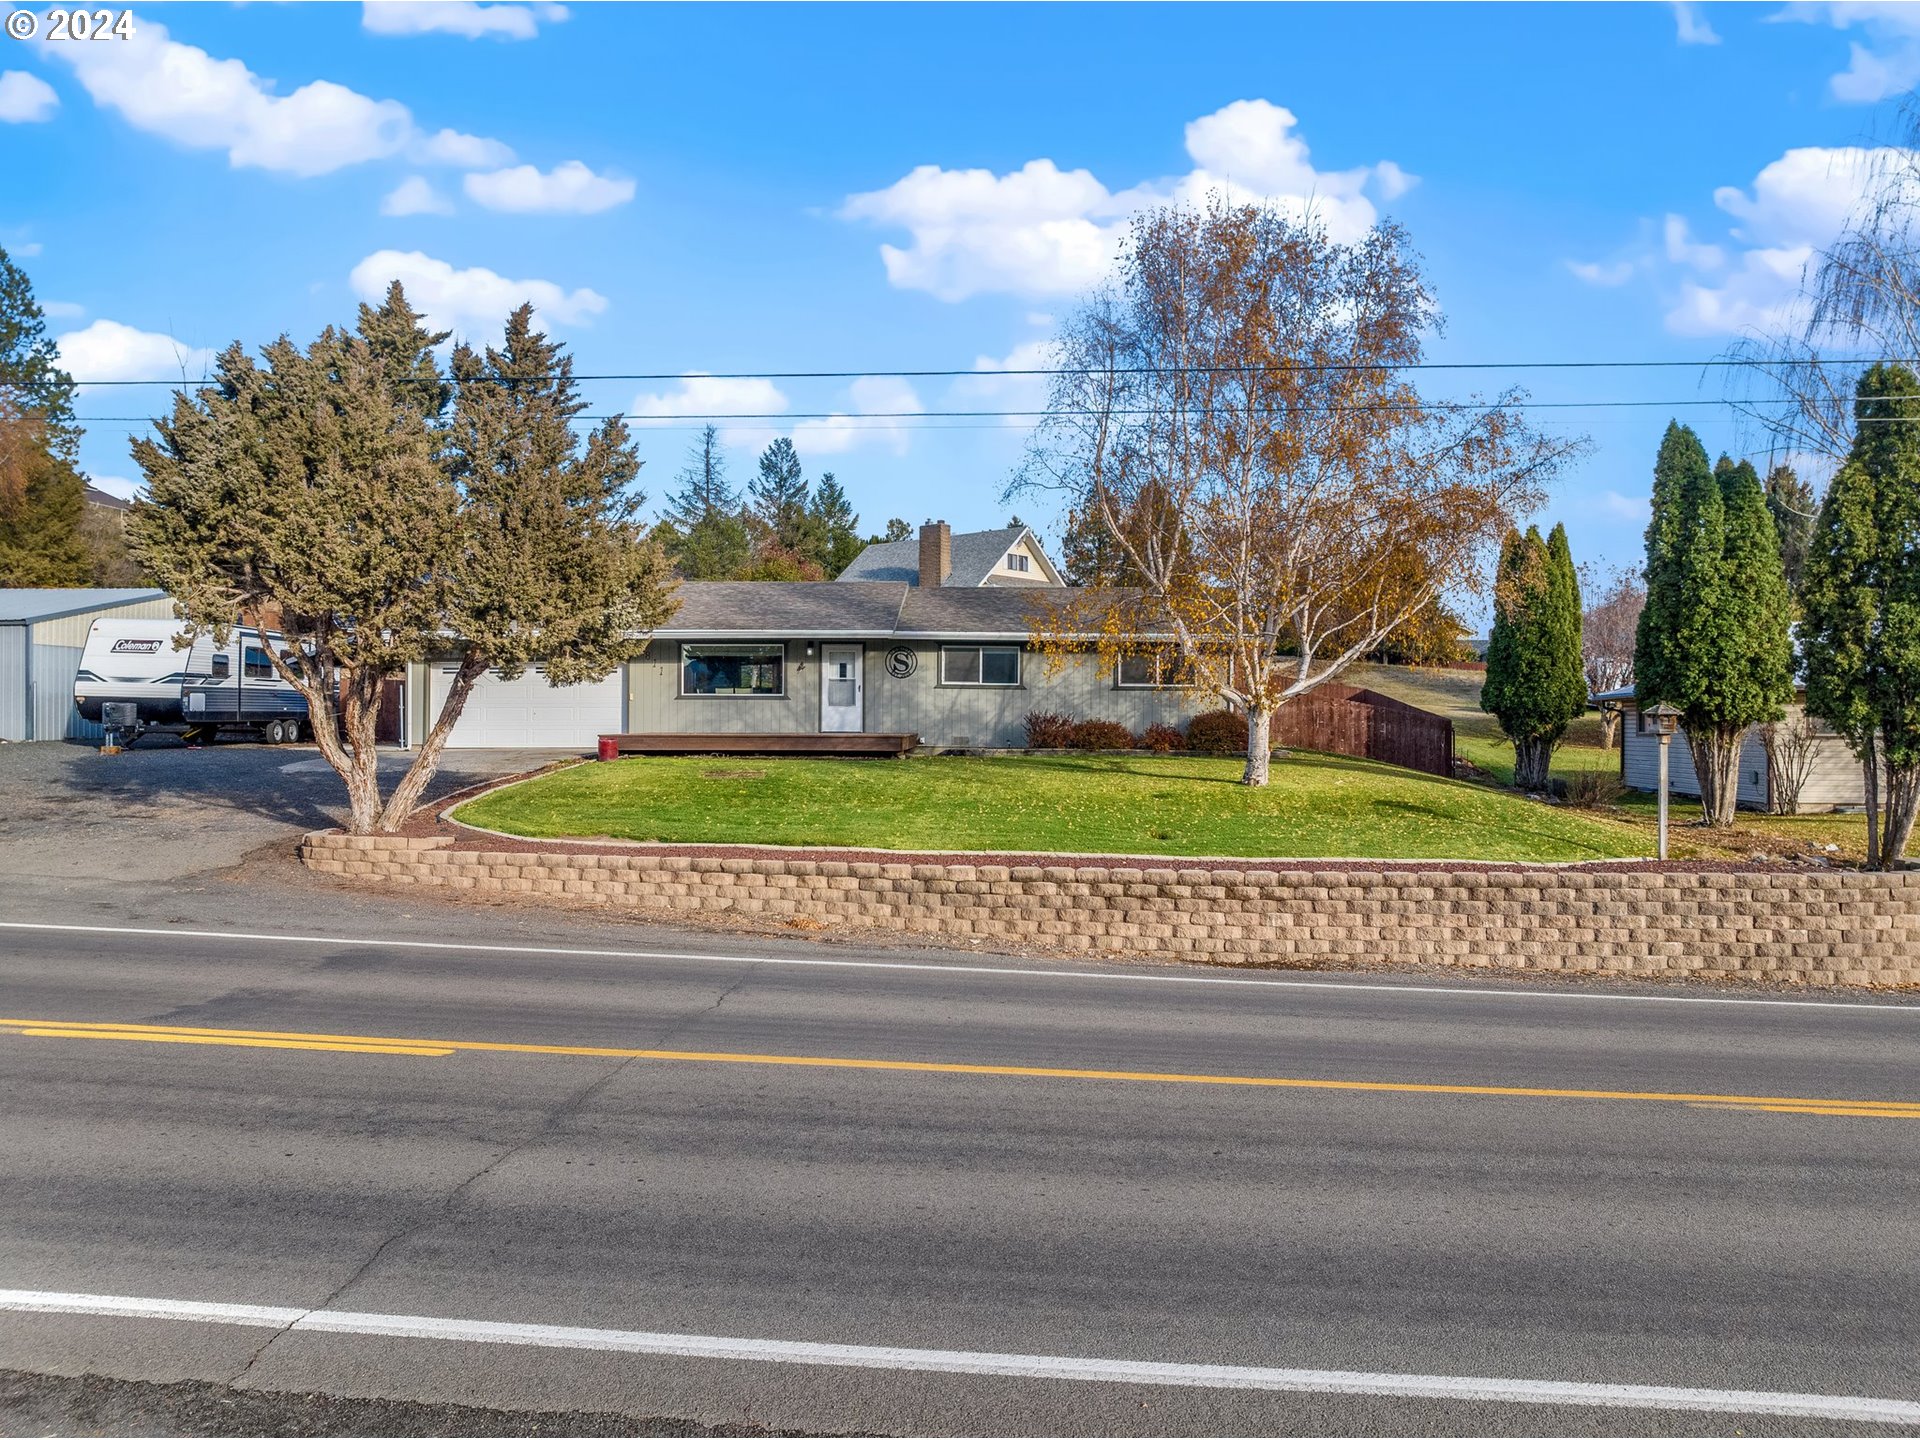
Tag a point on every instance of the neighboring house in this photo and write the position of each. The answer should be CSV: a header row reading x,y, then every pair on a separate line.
x,y
950,662
42,633
1009,557
1834,780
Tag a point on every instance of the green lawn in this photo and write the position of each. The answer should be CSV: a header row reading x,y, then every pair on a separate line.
x,y
1317,806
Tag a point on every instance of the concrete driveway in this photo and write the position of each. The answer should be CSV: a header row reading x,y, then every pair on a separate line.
x,y
161,815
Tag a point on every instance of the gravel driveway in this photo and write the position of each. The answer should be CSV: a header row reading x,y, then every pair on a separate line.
x,y
160,815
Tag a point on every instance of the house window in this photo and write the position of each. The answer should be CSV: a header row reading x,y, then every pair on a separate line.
x,y
255,665
1152,671
733,670
979,664
1017,561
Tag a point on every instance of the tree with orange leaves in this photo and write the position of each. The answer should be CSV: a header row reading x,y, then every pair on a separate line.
x,y
1234,413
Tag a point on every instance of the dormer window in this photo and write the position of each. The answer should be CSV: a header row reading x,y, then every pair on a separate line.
x,y
1017,560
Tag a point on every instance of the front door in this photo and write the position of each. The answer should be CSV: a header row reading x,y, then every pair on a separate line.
x,y
843,690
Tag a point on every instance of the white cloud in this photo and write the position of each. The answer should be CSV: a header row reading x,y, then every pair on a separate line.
x,y
991,387
1795,207
704,395
869,396
457,17
471,302
1693,25
464,152
415,195
1888,64
25,98
185,95
27,249
1605,273
1682,249
1627,507
108,350
61,309
116,485
1041,230
570,189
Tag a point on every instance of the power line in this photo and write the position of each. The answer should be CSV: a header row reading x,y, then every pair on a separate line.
x,y
976,374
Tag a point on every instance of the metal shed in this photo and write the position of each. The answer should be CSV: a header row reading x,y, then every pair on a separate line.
x,y
42,633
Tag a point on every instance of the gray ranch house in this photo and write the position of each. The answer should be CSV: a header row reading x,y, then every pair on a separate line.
x,y
926,637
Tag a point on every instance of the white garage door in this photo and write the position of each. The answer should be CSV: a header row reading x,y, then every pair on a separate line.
x,y
529,712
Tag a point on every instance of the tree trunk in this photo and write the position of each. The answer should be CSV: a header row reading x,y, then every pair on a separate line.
x,y
1259,746
358,760
1870,776
1609,727
1716,764
406,795
1903,798
1532,764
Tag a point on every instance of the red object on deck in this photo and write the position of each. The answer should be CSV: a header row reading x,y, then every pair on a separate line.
x,y
609,748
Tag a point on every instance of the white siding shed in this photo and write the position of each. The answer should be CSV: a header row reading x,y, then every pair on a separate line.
x,y
42,633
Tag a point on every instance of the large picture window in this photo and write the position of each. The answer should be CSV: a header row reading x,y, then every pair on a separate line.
x,y
1151,670
979,664
733,670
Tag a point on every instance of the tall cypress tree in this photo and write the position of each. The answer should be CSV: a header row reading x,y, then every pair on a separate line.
x,y
1714,639
836,527
1860,631
1536,684
42,496
1791,503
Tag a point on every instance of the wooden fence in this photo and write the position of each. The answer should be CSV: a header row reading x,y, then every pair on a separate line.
x,y
1345,720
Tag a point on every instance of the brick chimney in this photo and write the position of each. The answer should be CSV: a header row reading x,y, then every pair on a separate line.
x,y
936,552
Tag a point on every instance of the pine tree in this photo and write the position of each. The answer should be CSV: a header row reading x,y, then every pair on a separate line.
x,y
42,495
1714,640
1536,684
1791,503
1860,631
778,498
706,533
835,525
897,529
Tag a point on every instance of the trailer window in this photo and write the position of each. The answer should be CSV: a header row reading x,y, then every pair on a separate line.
x,y
221,668
255,665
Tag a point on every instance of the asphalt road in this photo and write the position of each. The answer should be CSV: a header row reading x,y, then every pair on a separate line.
x,y
960,1199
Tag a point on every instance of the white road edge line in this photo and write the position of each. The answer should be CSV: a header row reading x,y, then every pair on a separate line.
x,y
977,1362
1143,978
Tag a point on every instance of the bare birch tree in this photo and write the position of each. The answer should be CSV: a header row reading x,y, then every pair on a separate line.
x,y
1233,413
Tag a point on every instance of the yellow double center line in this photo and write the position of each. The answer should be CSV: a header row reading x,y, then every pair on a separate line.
x,y
397,1045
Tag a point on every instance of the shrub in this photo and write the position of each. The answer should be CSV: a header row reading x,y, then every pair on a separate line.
x,y
1594,789
1162,739
1050,730
1218,732
1101,735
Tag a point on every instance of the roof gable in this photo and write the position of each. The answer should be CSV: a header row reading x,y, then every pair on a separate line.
x,y
976,554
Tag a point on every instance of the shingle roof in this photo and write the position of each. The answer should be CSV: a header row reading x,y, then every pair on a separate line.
x,y
975,554
18,605
106,499
872,609
785,607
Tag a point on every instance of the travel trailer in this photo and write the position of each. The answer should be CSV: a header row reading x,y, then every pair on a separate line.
x,y
133,678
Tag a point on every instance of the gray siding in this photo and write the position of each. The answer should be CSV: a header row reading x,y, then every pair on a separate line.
x,y
985,717
965,716
1834,781
13,681
655,705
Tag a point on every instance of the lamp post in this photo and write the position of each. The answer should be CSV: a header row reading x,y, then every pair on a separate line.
x,y
1665,720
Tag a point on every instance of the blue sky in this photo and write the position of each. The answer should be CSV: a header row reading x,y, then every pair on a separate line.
x,y
744,188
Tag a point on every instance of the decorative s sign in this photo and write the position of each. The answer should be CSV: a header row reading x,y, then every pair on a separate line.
x,y
902,662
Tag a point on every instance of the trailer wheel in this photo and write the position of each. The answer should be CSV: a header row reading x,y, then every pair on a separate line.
x,y
293,729
273,734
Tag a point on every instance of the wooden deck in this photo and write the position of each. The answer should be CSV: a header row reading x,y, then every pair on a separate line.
x,y
840,744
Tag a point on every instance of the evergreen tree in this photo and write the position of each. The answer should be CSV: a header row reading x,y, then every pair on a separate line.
x,y
779,499
706,534
1714,639
1536,683
42,495
835,525
897,529
1791,504
1860,631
